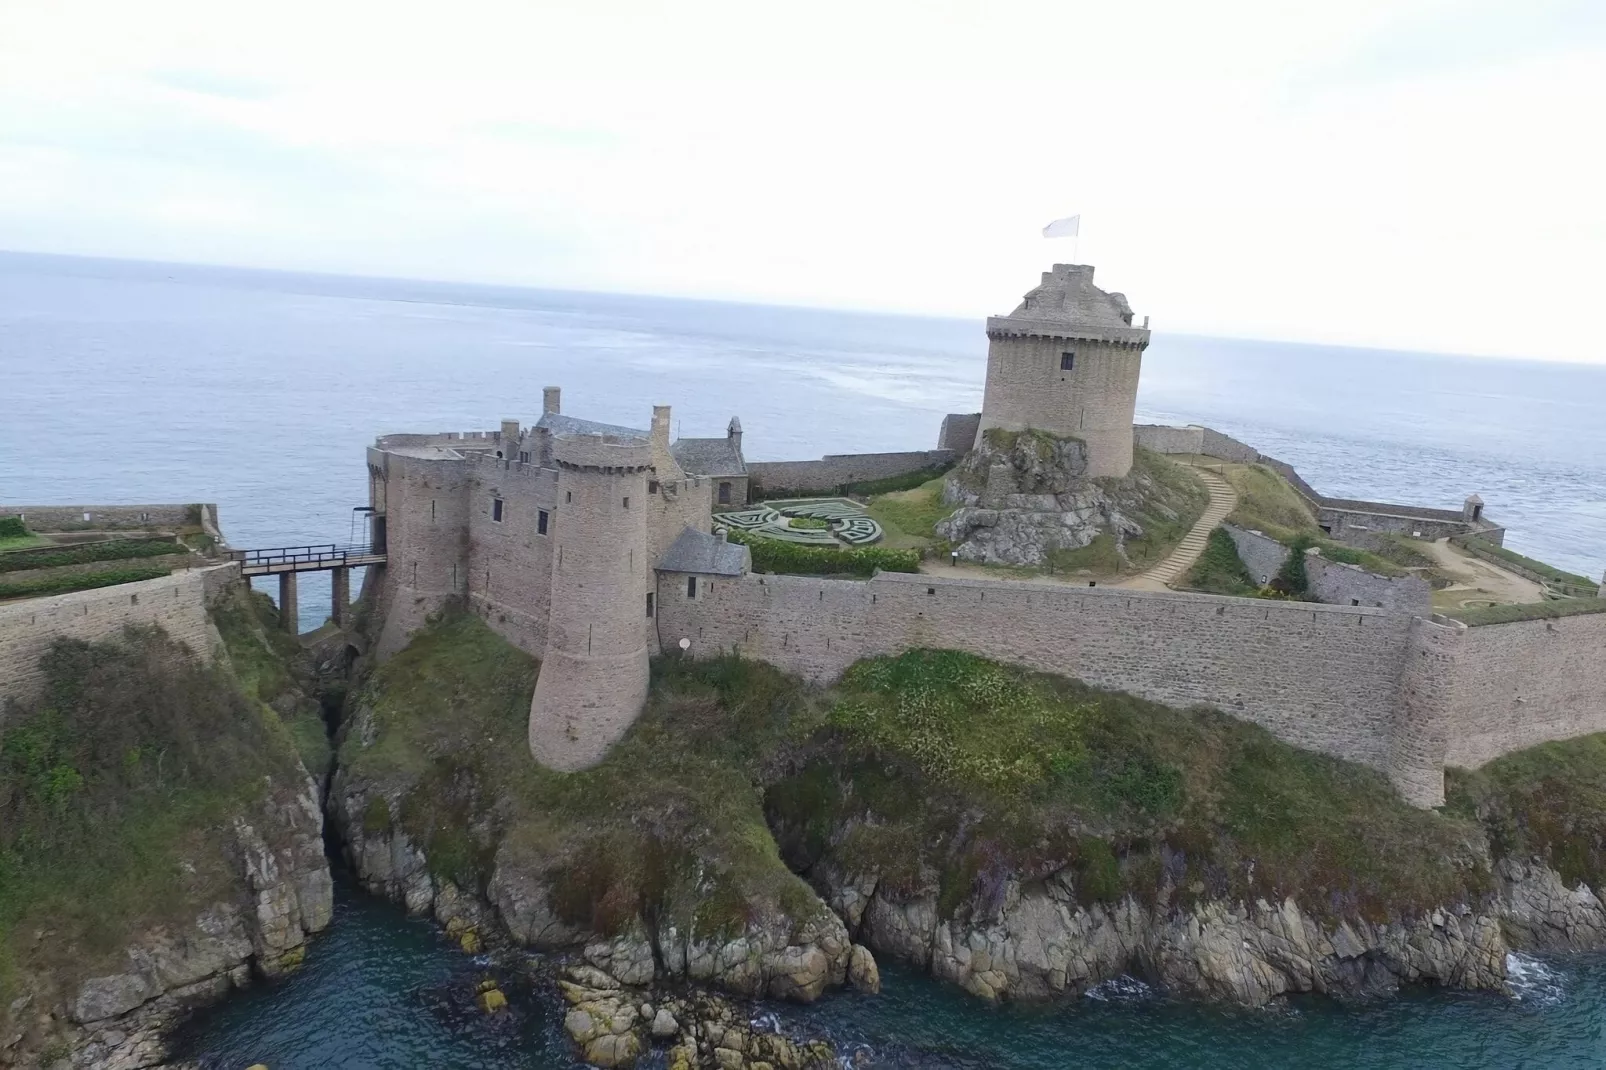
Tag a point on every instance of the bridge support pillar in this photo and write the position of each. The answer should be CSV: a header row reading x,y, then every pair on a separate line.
x,y
340,596
288,607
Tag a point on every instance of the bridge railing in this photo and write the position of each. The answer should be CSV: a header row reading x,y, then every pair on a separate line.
x,y
323,555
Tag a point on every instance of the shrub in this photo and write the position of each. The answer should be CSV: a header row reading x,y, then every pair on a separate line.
x,y
114,550
11,527
906,481
772,555
1292,580
85,582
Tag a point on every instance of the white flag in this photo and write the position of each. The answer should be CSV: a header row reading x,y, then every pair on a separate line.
x,y
1069,227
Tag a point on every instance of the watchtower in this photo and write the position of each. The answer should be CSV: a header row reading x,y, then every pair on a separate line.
x,y
1067,362
593,678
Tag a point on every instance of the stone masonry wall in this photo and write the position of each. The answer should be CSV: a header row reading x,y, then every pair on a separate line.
x,y
427,539
105,517
177,603
829,473
1334,582
510,560
1525,683
958,431
1320,677
1094,401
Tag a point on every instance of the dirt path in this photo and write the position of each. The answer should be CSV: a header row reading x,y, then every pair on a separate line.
x,y
1478,579
1223,500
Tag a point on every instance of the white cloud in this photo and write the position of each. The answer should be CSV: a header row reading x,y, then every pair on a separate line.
x,y
1409,174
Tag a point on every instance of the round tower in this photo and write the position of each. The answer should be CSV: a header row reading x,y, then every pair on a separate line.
x,y
593,678
1067,362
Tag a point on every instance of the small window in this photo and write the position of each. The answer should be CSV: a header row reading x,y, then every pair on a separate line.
x,y
496,510
499,455
691,586
724,494
524,457
540,522
652,486
627,501
649,603
1067,362
568,496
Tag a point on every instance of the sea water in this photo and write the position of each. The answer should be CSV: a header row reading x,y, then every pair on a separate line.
x,y
136,382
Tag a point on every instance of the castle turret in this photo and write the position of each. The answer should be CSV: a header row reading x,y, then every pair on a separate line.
x,y
593,678
1067,362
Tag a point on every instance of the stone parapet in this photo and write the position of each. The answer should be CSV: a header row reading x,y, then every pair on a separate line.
x,y
1015,327
602,452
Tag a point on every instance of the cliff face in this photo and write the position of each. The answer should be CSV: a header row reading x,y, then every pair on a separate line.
x,y
161,844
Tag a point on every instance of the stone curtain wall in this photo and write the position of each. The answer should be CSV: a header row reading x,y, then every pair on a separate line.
x,y
510,561
1334,582
829,473
1320,677
958,432
1521,684
177,603
107,517
426,526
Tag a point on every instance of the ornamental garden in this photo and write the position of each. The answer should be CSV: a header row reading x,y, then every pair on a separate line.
x,y
832,522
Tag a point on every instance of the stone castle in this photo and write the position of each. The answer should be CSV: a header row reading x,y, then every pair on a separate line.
x,y
594,547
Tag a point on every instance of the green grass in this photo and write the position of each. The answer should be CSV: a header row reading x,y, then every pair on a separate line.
x,y
22,542
113,550
907,481
1546,802
937,762
48,585
1165,498
774,555
1268,503
1220,570
262,655
1549,572
115,787
669,824
1570,607
909,518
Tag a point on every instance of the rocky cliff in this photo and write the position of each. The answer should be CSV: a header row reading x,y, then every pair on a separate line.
x,y
160,843
1024,498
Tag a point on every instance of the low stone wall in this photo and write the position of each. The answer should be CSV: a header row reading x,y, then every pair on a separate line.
x,y
177,603
829,473
1334,582
108,517
958,431
1194,439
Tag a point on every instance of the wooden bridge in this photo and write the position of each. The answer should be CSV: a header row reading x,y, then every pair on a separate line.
x,y
287,562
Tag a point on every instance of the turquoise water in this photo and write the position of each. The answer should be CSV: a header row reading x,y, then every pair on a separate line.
x,y
383,991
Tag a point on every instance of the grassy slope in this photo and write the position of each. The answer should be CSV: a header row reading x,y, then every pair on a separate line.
x,y
669,824
262,654
908,518
1165,498
1220,570
1268,503
113,790
948,770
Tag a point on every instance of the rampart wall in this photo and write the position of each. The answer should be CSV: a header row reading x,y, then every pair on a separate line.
x,y
829,473
108,517
177,603
958,431
1321,677
1525,683
510,560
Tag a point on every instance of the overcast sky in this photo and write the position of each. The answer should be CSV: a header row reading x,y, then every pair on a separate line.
x,y
1402,173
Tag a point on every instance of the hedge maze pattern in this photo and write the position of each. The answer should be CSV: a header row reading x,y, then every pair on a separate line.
x,y
848,523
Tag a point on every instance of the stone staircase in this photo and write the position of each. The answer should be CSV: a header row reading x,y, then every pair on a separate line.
x,y
1223,500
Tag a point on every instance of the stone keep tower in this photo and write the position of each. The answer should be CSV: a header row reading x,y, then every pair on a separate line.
x,y
1067,361
593,678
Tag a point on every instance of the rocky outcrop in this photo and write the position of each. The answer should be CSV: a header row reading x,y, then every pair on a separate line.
x,y
1540,913
1043,943
117,1020
614,1025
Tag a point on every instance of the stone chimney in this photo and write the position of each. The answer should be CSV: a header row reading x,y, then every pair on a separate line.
x,y
550,400
733,431
660,426
507,445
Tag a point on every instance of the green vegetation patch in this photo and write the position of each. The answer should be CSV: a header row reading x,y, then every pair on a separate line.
x,y
115,785
1220,570
1165,499
12,527
669,826
264,658
773,555
940,769
111,550
1568,607
1547,802
46,585
909,518
1269,504
892,484
1511,557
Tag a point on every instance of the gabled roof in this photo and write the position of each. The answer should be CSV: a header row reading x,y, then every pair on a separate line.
x,y
559,424
709,456
707,555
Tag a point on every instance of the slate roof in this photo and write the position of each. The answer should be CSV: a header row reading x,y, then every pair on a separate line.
x,y
709,456
707,555
559,424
